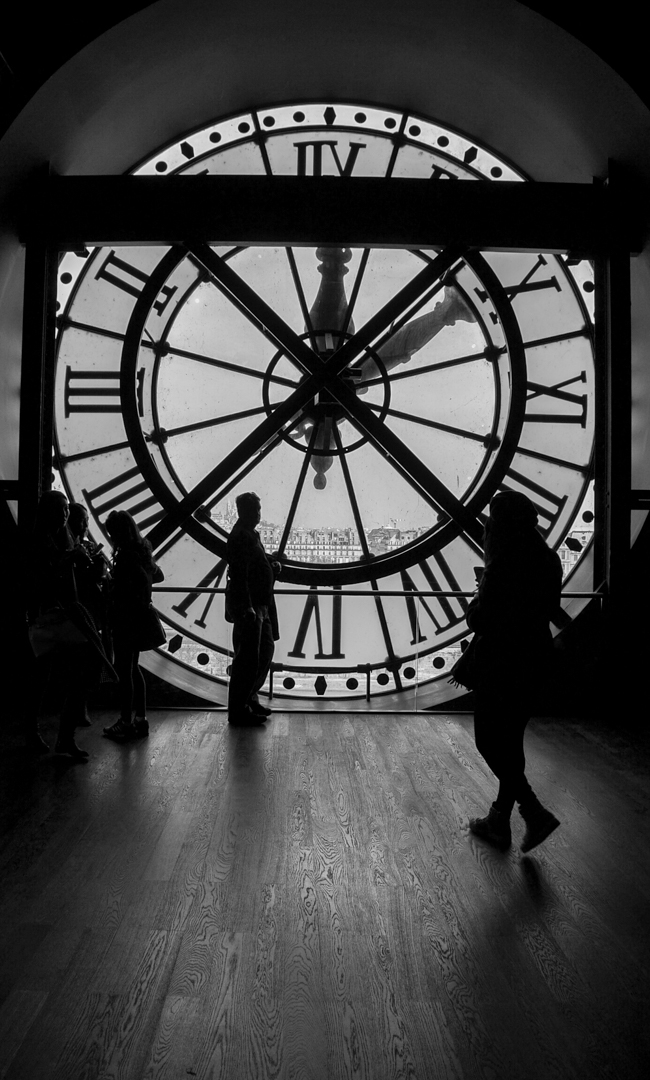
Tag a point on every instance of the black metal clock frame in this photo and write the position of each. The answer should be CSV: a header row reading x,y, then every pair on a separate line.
x,y
596,222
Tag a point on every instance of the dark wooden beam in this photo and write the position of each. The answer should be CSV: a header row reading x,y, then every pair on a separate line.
x,y
583,219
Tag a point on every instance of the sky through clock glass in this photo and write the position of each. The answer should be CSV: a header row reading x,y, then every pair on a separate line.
x,y
374,398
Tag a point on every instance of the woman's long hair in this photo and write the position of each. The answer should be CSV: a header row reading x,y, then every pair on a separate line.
x,y
126,537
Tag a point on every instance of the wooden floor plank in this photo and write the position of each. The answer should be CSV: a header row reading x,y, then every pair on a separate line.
x,y
305,901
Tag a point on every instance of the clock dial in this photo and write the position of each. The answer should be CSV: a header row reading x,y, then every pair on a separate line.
x,y
375,399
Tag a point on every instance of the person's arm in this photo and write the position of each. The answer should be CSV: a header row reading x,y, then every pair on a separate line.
x,y
239,598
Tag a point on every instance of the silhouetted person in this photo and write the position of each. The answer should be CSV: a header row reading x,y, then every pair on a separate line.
x,y
91,573
74,654
250,607
518,596
134,571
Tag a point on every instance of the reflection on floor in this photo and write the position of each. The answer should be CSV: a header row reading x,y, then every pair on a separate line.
x,y
304,900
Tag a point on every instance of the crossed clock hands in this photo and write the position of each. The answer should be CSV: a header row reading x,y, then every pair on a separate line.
x,y
399,349
325,374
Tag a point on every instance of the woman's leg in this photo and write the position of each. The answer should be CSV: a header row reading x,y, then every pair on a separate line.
x,y
124,668
125,656
499,728
139,698
73,664
40,668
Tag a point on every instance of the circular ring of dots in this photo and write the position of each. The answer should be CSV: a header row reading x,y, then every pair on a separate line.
x,y
390,122
202,659
383,678
415,130
409,672
360,117
288,683
269,121
443,140
438,662
215,136
161,166
299,117
352,684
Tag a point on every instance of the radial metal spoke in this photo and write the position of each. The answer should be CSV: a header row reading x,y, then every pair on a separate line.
x,y
381,614
299,486
82,454
412,418
226,365
301,298
200,425
355,291
413,373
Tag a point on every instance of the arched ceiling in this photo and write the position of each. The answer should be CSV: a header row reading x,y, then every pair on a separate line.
x,y
494,68
499,70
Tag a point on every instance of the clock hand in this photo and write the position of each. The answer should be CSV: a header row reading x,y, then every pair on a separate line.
x,y
417,333
396,306
296,349
275,328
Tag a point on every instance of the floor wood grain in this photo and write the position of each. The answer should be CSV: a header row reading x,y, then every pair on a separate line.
x,y
304,902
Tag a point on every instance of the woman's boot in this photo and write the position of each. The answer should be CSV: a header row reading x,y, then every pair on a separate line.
x,y
495,828
540,823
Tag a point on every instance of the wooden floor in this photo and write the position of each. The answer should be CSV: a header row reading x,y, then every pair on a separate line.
x,y
305,901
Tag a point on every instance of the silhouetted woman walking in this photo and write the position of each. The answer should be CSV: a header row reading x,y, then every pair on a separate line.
x,y
134,571
517,598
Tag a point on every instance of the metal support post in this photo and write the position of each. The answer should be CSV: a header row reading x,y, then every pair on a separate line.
x,y
37,383
613,430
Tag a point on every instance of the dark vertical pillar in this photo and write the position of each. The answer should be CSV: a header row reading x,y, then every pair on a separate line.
x,y
613,430
37,383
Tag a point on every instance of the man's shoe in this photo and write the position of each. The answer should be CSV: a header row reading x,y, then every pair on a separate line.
x,y
540,823
141,727
245,718
121,731
68,747
259,709
495,829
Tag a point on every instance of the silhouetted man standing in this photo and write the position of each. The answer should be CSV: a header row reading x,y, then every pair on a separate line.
x,y
250,607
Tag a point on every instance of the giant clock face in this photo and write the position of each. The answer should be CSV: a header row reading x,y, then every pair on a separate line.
x,y
374,399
